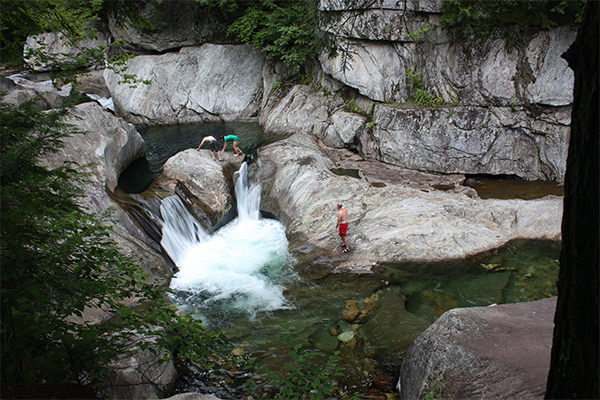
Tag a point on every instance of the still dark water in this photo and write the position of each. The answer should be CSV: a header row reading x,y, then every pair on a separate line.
x,y
400,300
163,142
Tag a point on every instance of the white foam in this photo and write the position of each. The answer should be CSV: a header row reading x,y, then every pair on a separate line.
x,y
240,267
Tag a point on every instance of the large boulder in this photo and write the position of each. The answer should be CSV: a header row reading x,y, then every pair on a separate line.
x,y
473,140
141,374
301,109
500,351
391,222
199,179
196,84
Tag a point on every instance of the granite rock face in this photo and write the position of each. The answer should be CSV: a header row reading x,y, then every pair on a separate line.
x,y
379,42
391,222
196,84
500,351
473,140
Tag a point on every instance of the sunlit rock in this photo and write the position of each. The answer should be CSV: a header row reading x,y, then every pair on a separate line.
x,y
393,223
196,84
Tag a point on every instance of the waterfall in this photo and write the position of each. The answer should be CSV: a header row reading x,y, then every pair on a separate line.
x,y
181,232
248,196
238,268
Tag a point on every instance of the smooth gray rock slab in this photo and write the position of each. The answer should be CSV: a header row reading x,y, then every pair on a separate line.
x,y
500,351
196,84
392,223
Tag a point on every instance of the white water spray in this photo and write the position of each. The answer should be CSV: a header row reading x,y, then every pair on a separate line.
x,y
237,268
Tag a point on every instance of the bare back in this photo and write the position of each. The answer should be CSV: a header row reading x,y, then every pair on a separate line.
x,y
342,216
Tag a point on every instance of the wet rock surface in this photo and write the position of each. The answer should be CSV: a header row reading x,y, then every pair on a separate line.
x,y
391,222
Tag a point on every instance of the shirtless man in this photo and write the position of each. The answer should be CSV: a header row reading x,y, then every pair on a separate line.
x,y
214,146
342,226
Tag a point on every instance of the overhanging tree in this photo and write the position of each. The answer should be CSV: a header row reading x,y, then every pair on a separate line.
x,y
57,259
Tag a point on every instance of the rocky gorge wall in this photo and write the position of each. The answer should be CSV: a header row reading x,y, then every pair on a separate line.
x,y
507,107
499,125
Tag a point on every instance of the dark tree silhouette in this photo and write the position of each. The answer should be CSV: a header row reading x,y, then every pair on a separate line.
x,y
574,372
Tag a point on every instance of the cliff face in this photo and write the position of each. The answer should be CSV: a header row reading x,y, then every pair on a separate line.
x,y
506,108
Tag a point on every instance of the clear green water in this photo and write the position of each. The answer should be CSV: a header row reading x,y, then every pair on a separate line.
x,y
401,302
398,302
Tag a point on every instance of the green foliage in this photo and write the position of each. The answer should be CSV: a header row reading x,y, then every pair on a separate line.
x,y
18,19
421,96
352,107
420,33
58,260
283,29
480,18
300,380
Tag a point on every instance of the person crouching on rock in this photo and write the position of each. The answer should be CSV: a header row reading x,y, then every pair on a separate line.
x,y
234,139
214,146
342,226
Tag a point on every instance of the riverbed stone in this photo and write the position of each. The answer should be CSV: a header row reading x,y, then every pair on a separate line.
x,y
352,310
204,178
393,223
500,351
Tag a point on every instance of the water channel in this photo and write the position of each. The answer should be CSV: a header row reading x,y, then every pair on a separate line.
x,y
248,279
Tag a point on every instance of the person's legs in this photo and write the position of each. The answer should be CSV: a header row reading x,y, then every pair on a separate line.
x,y
236,149
345,240
342,233
214,148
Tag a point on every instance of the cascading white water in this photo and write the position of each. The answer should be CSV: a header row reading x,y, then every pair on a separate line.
x,y
239,267
181,232
248,196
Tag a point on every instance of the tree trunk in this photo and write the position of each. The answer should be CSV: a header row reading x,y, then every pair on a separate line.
x,y
574,372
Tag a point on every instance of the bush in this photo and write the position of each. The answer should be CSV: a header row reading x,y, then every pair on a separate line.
x,y
57,260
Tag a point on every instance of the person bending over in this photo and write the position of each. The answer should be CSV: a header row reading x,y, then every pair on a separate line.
x,y
214,146
234,140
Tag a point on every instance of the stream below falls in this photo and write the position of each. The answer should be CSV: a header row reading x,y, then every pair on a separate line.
x,y
248,280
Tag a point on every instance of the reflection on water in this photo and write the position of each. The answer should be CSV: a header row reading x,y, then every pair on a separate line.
x,y
506,187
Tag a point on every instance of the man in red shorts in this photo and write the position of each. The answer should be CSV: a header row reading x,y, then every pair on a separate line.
x,y
342,225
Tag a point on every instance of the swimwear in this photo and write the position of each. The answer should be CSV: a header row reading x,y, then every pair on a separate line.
x,y
230,138
214,145
343,228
